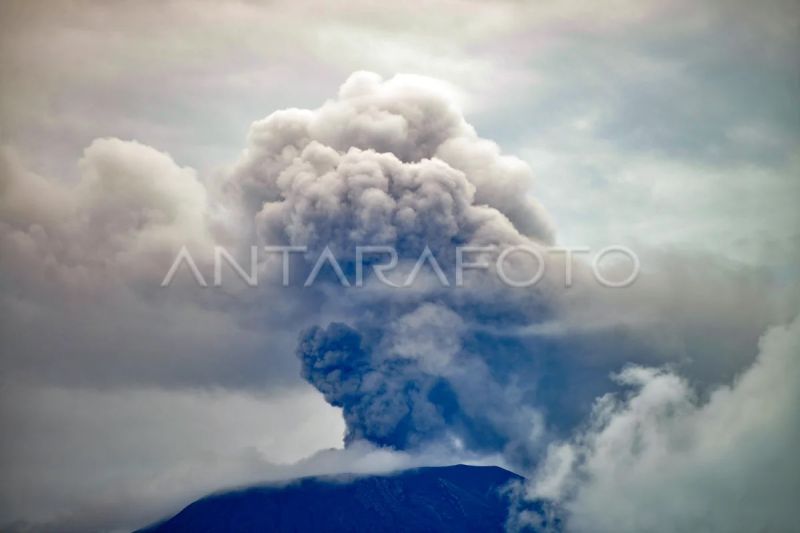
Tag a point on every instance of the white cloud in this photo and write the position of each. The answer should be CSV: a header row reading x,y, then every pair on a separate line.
x,y
662,459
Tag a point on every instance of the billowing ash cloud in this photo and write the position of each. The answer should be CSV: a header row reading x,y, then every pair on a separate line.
x,y
391,403
385,162
394,163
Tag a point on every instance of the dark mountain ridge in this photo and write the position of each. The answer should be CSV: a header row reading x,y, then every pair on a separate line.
x,y
432,499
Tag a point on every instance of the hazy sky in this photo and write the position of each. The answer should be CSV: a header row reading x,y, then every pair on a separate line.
x,y
671,127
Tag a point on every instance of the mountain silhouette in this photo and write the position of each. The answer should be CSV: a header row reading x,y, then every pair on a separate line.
x,y
456,498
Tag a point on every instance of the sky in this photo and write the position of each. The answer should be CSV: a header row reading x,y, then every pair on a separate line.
x,y
131,129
